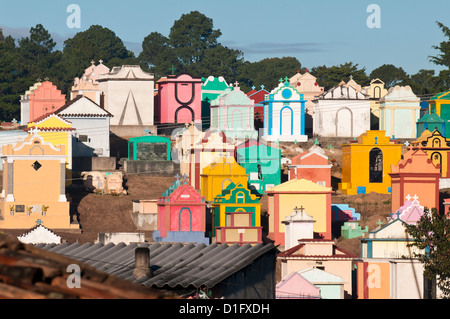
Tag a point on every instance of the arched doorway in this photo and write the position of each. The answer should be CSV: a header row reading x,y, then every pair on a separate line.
x,y
375,165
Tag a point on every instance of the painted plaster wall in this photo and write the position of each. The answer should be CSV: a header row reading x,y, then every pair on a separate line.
x,y
97,131
341,268
317,205
130,100
346,118
176,92
284,114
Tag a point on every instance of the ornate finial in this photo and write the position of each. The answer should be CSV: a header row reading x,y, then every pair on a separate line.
x,y
236,84
39,221
262,86
92,62
253,87
286,79
100,61
46,78
351,77
281,80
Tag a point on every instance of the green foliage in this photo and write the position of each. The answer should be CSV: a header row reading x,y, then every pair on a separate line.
x,y
389,74
267,72
444,57
432,237
329,77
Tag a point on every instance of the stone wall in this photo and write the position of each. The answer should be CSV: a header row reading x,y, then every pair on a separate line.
x,y
154,168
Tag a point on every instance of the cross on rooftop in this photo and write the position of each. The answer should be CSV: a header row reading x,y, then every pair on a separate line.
x,y
39,221
316,142
408,197
172,69
262,86
236,84
100,61
406,143
415,197
299,209
147,131
379,222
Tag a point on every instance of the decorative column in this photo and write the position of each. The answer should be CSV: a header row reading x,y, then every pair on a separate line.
x,y
62,182
10,188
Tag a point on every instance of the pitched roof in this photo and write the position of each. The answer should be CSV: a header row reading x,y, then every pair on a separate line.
x,y
99,111
173,264
28,272
299,186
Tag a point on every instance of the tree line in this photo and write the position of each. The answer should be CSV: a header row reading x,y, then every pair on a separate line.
x,y
192,47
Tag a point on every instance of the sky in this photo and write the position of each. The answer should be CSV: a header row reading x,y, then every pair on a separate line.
x,y
320,32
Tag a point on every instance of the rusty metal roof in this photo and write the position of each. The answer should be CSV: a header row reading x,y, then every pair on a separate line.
x,y
28,272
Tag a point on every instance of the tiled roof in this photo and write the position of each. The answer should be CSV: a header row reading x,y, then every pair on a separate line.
x,y
173,265
62,129
28,272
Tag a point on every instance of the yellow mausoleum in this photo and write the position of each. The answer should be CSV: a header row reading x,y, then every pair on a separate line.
x,y
34,186
366,163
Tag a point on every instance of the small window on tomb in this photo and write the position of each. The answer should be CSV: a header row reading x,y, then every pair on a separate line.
x,y
83,138
375,165
36,165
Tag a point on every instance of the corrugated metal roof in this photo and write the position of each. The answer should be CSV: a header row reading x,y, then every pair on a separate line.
x,y
28,272
172,264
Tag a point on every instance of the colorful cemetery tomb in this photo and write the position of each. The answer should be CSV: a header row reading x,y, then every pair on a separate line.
x,y
185,140
145,214
149,154
295,286
415,174
211,88
34,186
307,85
299,225
320,254
261,162
39,234
342,213
218,175
39,100
102,182
88,85
366,163
437,147
91,122
399,112
237,216
411,211
388,269
179,100
128,95
352,229
389,278
312,165
232,113
375,91
284,114
440,105
330,285
258,96
56,130
342,111
181,215
430,122
210,149
11,137
314,198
